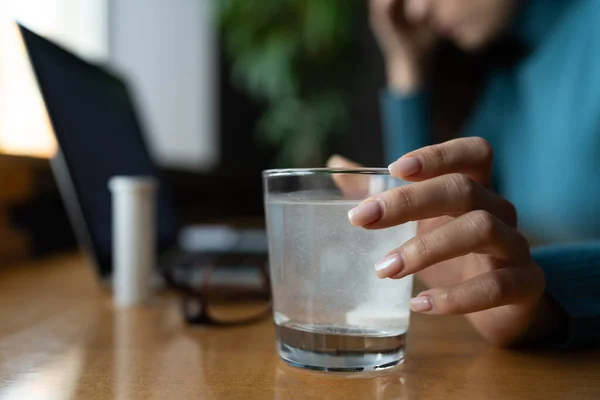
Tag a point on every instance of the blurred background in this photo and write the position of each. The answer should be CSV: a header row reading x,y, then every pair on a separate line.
x,y
224,88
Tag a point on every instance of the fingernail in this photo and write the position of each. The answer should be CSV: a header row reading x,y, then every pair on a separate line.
x,y
405,167
421,304
389,266
365,213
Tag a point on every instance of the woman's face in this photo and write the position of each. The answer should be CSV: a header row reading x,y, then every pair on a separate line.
x,y
470,24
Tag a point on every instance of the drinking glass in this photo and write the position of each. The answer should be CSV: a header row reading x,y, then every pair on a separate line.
x,y
331,311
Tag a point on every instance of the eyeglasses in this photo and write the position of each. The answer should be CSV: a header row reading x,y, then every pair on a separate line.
x,y
213,294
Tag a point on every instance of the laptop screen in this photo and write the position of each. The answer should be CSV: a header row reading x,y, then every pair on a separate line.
x,y
99,137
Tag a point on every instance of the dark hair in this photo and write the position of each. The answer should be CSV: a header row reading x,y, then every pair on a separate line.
x,y
457,79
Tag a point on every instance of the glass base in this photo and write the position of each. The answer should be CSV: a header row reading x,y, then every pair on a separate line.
x,y
340,362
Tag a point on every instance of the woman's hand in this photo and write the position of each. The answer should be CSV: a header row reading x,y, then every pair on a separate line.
x,y
467,249
405,40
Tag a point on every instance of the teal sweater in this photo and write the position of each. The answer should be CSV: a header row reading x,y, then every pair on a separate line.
x,y
542,118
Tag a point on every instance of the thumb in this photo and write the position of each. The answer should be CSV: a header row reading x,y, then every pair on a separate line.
x,y
351,186
337,161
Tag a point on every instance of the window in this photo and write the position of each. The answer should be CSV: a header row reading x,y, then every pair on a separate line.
x,y
81,26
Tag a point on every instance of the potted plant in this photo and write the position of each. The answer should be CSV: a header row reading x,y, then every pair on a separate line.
x,y
296,58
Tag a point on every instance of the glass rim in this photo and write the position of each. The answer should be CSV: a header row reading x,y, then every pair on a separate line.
x,y
330,171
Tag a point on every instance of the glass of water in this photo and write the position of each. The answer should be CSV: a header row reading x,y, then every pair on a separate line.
x,y
331,311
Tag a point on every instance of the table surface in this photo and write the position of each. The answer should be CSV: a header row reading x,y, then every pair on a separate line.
x,y
60,338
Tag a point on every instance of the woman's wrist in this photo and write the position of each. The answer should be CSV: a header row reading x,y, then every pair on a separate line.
x,y
404,77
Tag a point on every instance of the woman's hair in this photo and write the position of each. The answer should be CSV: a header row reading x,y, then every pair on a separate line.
x,y
457,79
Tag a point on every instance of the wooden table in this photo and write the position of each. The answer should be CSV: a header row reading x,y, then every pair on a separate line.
x,y
60,338
17,175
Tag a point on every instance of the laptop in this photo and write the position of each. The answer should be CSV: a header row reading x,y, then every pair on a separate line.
x,y
99,136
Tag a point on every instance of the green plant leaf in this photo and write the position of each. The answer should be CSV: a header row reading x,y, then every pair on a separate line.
x,y
294,56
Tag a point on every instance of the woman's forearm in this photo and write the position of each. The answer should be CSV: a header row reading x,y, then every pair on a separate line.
x,y
406,122
404,77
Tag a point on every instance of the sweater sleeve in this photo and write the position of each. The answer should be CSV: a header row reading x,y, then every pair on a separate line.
x,y
573,280
406,123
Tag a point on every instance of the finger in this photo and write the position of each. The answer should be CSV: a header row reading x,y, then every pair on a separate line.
x,y
470,156
379,9
337,161
352,186
415,10
475,232
488,290
384,17
452,195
